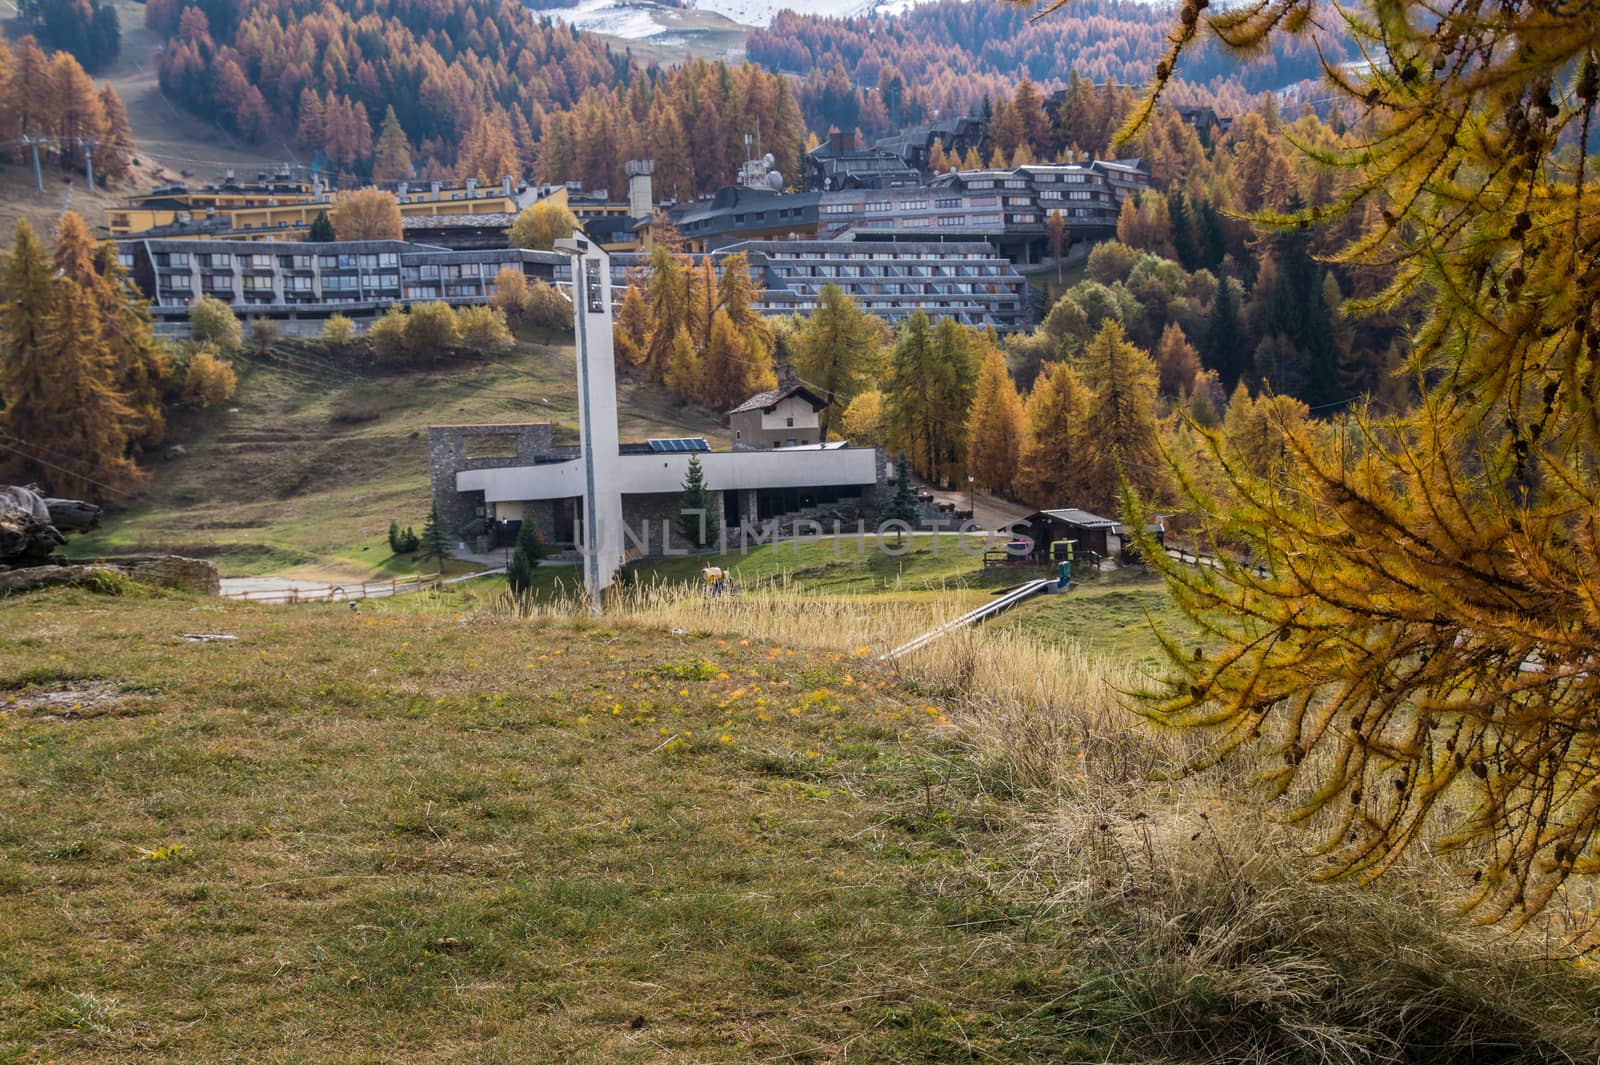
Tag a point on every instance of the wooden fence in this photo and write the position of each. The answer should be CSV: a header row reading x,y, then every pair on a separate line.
x,y
334,593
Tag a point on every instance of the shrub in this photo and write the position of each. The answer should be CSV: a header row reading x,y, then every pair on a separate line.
x,y
388,335
208,380
263,334
548,309
212,322
402,541
483,329
511,295
430,329
337,333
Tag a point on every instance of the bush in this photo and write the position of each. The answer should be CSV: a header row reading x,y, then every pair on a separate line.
x,y
483,329
388,335
212,322
263,334
337,333
511,295
548,309
430,329
403,541
208,380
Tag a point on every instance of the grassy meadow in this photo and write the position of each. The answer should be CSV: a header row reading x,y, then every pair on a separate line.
x,y
442,829
301,474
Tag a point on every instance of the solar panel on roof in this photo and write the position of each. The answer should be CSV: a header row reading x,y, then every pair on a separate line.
x,y
686,443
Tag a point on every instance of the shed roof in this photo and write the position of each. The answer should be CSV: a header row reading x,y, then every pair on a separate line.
x,y
1081,518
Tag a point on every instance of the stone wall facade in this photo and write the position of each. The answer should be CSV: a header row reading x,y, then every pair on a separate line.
x,y
450,451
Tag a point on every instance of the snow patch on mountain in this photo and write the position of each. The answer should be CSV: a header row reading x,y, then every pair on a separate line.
x,y
638,20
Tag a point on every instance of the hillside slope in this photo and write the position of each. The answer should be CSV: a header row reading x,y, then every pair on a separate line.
x,y
431,831
303,472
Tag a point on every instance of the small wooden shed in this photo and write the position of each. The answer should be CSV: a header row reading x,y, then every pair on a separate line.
x,y
1090,531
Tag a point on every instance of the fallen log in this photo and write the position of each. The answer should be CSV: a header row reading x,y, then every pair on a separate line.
x,y
73,515
26,532
32,527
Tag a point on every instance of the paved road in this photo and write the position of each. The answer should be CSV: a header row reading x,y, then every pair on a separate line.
x,y
289,589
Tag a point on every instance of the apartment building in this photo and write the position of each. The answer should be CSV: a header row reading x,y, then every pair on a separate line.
x,y
282,209
1007,208
967,281
314,280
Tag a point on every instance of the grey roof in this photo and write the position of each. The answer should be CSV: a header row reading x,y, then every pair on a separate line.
x,y
763,400
458,221
1081,518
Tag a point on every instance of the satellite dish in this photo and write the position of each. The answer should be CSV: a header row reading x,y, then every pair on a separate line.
x,y
774,180
767,160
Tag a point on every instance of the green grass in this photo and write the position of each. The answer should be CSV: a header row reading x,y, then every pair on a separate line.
x,y
1115,615
303,472
419,834
428,832
851,566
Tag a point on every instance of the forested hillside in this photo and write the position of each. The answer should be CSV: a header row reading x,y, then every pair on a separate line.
x,y
478,88
950,56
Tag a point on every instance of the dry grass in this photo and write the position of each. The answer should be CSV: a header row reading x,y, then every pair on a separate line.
x,y
1205,936
435,830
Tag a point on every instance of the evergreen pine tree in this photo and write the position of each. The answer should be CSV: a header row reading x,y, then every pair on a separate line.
x,y
525,557
695,505
434,545
1181,221
903,505
321,229
1298,314
1225,336
1209,243
394,538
